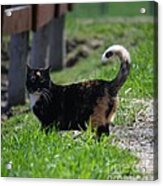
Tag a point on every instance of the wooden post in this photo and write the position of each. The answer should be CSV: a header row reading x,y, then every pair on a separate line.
x,y
57,43
18,56
39,55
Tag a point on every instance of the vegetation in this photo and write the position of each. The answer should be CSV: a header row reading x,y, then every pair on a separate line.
x,y
35,154
114,9
63,154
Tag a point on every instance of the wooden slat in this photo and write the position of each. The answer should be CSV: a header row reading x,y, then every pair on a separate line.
x,y
18,57
2,11
61,9
42,14
19,21
57,43
39,50
33,17
70,6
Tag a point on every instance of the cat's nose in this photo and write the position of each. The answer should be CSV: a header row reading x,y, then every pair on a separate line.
x,y
38,89
33,78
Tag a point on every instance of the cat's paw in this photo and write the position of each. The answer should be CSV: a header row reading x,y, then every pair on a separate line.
x,y
103,129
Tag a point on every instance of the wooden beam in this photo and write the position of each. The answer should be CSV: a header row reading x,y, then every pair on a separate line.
x,y
42,14
24,18
19,21
18,58
57,43
2,11
70,6
61,9
39,50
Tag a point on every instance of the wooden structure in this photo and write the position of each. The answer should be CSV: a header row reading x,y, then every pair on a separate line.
x,y
30,17
47,25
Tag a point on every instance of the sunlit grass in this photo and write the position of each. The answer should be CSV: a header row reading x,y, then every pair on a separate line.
x,y
59,155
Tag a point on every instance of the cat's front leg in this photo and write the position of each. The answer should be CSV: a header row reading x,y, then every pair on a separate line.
x,y
103,129
40,112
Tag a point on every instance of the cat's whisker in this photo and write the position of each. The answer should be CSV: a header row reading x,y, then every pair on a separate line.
x,y
47,96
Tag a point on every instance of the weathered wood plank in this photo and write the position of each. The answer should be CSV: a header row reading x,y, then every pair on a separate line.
x,y
2,12
19,21
24,18
39,50
57,43
70,6
18,56
61,9
42,14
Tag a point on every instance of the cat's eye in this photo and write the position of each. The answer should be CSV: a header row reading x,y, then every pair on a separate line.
x,y
38,73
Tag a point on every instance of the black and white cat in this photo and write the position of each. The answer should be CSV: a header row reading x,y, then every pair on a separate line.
x,y
70,107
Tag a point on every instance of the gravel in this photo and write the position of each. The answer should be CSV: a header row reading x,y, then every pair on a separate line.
x,y
141,139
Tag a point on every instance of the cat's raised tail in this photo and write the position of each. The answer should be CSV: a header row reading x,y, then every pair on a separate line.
x,y
124,56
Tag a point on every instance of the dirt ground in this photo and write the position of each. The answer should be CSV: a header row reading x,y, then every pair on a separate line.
x,y
141,138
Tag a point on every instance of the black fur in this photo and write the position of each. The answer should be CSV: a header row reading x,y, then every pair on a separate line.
x,y
70,107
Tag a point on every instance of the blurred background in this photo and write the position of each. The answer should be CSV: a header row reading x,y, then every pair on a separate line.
x,y
114,9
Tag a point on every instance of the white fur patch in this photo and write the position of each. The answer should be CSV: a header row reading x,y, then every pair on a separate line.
x,y
33,98
119,51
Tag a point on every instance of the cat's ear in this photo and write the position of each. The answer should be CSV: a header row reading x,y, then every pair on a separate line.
x,y
28,67
47,69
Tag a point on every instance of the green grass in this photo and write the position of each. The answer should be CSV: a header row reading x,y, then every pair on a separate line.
x,y
113,9
59,155
35,154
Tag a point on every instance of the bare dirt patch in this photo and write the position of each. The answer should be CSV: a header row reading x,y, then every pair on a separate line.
x,y
141,139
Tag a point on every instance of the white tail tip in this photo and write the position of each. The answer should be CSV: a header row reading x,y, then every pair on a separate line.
x,y
117,50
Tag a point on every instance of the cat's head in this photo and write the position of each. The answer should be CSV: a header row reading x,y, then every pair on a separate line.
x,y
37,79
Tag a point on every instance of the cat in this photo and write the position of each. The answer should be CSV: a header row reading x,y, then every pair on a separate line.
x,y
71,107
